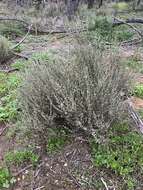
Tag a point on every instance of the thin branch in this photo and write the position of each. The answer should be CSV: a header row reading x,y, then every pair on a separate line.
x,y
22,40
23,170
20,55
104,183
131,26
4,129
40,188
9,70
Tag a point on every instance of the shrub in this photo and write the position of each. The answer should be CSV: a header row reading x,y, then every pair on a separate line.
x,y
4,49
83,94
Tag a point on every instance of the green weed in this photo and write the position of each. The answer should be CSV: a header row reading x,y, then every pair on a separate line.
x,y
19,64
56,142
5,178
123,154
138,90
8,95
20,157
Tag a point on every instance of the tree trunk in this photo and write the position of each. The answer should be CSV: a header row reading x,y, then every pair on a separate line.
x,y
90,4
72,6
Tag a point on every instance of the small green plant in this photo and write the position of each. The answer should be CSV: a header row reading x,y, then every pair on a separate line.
x,y
42,56
20,157
123,154
123,35
5,178
102,27
56,142
8,108
8,105
138,90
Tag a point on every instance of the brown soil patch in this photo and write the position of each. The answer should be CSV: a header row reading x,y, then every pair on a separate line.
x,y
137,103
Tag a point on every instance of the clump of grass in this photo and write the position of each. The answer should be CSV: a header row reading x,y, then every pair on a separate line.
x,y
5,52
84,94
122,154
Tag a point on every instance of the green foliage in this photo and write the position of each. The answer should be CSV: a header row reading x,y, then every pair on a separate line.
x,y
121,6
123,35
123,154
19,64
56,142
134,63
5,178
138,90
102,27
20,157
11,30
8,108
43,56
18,49
8,105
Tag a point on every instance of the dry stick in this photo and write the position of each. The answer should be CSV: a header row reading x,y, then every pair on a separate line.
x,y
131,26
22,40
20,55
40,188
104,183
23,170
4,129
136,118
9,70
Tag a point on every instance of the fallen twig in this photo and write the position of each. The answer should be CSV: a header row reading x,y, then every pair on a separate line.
x,y
131,21
40,188
136,118
131,26
9,70
22,40
20,55
23,170
104,183
3,130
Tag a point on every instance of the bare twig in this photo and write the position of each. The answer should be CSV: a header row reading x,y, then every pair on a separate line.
x,y
3,130
20,55
104,183
23,170
22,40
136,118
40,188
9,70
131,26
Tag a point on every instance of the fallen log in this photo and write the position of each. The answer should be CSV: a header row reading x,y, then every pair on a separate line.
x,y
128,21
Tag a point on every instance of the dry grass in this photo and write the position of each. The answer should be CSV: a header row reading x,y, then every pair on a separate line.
x,y
4,49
